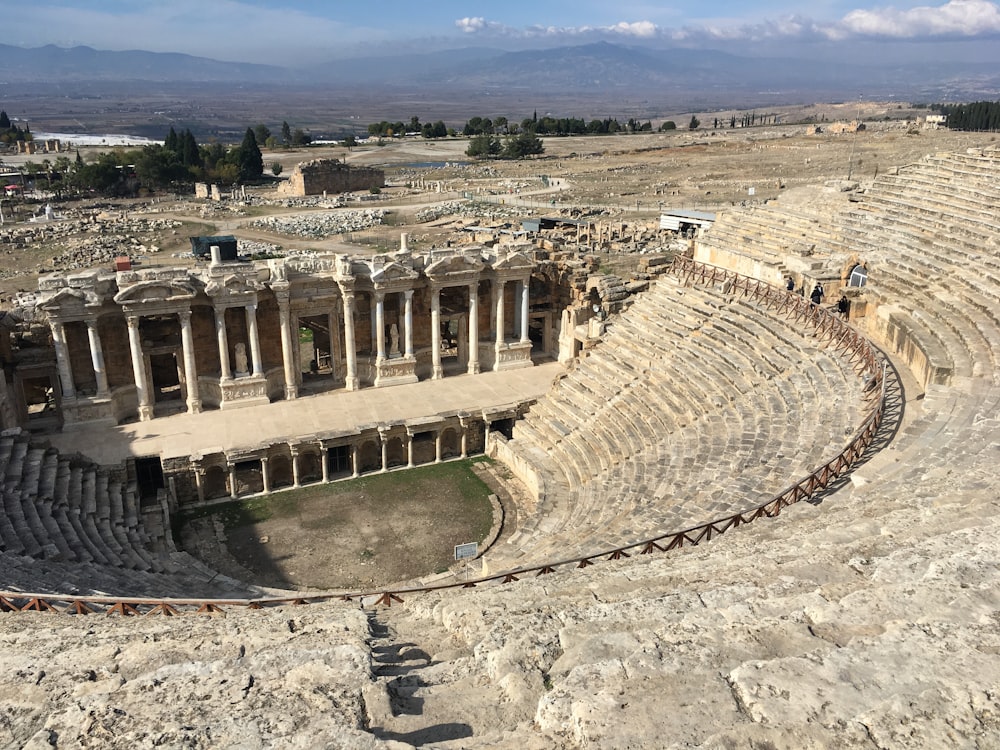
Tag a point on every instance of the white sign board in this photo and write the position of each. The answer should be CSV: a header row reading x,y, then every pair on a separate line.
x,y
466,551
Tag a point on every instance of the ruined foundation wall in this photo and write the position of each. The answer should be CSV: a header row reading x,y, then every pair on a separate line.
x,y
330,176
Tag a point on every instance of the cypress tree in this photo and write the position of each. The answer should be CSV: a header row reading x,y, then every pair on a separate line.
x,y
189,154
249,159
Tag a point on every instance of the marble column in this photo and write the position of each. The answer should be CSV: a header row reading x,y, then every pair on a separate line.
x,y
258,365
265,474
495,286
525,286
408,313
379,326
499,329
190,370
352,352
139,369
287,350
474,328
355,458
409,449
232,482
385,452
324,458
296,478
97,358
436,371
334,331
465,440
199,482
62,361
437,447
223,340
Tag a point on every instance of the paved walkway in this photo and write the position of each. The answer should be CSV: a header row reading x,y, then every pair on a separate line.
x,y
210,431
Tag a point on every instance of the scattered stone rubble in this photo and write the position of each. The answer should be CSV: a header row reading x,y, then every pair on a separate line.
x,y
321,224
94,240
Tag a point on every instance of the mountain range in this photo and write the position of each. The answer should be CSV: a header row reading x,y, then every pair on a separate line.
x,y
584,69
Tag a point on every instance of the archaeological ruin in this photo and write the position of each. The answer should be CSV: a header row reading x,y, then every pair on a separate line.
x,y
747,517
322,176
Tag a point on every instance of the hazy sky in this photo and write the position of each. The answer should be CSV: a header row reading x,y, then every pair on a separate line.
x,y
285,32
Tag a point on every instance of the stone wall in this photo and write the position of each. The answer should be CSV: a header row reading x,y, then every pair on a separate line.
x,y
330,176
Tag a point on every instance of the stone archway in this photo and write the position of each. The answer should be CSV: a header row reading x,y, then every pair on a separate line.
x,y
280,472
216,482
450,443
395,452
370,457
310,468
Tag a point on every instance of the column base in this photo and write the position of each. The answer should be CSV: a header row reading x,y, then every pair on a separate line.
x,y
474,368
194,406
291,392
396,371
351,383
513,356
437,372
145,413
249,391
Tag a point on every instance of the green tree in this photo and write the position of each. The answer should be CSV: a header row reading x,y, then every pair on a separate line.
x,y
350,141
261,132
482,146
276,168
189,152
171,142
286,133
4,120
249,162
524,144
300,137
668,125
695,122
158,167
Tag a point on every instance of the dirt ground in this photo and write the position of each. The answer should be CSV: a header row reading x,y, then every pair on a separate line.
x,y
623,176
358,534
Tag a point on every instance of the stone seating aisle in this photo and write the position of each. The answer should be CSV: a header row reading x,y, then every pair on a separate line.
x,y
722,407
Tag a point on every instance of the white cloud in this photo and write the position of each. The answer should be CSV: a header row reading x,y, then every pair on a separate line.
x,y
963,18
644,29
952,19
478,24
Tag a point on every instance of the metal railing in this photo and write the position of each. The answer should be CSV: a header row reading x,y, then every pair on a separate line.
x,y
829,329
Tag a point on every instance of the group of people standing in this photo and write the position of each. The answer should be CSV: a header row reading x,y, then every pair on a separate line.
x,y
818,295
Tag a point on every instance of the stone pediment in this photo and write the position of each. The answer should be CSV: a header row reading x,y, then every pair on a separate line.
x,y
154,291
393,272
231,285
67,300
453,265
515,261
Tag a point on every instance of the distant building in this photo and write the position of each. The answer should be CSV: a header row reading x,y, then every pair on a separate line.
x,y
330,176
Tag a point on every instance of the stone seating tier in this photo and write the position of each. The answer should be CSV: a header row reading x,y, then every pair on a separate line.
x,y
66,510
741,398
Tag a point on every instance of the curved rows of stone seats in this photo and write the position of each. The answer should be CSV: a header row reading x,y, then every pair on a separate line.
x,y
696,404
70,526
929,231
867,620
771,231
